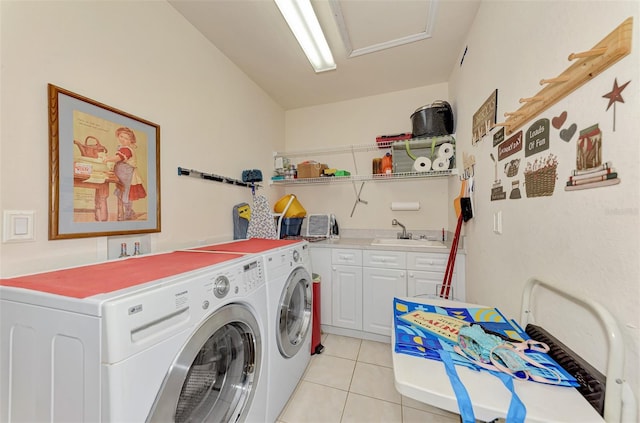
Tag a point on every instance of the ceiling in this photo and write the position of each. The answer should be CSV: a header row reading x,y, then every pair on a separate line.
x,y
391,45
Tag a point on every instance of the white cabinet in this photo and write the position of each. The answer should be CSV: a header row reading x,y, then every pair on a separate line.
x,y
425,274
384,277
380,287
346,279
358,286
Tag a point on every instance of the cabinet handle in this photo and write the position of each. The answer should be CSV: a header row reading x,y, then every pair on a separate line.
x,y
411,275
402,274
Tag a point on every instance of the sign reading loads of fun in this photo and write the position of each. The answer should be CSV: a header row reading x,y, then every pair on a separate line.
x,y
537,137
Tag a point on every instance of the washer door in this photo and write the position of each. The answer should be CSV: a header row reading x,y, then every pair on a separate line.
x,y
294,314
214,377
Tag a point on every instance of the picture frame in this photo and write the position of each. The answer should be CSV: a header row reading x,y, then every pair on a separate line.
x,y
104,169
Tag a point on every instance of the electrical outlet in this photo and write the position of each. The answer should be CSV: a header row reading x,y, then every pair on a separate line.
x,y
497,223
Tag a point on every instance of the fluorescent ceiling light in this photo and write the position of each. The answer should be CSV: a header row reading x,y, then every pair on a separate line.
x,y
305,26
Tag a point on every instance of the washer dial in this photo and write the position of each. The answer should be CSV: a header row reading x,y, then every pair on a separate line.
x,y
221,286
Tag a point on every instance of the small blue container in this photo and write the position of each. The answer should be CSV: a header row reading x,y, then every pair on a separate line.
x,y
291,226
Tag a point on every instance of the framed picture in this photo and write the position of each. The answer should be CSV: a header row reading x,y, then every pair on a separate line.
x,y
104,169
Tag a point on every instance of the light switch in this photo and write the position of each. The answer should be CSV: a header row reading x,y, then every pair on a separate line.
x,y
21,225
18,226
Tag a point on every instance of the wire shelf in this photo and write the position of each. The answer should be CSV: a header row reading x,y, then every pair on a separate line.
x,y
356,178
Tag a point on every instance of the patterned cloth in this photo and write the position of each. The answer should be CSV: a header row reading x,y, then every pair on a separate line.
x,y
262,224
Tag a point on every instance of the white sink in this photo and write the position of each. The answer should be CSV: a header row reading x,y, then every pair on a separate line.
x,y
393,242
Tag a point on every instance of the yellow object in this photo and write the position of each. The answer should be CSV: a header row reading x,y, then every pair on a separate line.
x,y
295,208
245,212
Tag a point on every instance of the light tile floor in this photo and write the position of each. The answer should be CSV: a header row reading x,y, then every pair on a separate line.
x,y
352,382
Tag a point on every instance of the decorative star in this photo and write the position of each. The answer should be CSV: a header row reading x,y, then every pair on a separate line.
x,y
616,93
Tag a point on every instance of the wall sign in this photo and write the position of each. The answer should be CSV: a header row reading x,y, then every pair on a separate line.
x,y
510,146
537,137
568,133
497,189
590,170
540,176
485,118
614,96
558,121
589,148
498,137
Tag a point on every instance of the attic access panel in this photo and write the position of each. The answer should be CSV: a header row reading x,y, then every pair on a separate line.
x,y
370,26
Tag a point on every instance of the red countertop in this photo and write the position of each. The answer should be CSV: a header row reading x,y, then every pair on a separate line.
x,y
86,281
253,245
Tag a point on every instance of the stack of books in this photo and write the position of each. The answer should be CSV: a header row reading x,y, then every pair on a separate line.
x,y
600,176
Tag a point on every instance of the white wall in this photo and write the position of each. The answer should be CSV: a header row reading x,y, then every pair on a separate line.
x,y
584,241
357,122
145,59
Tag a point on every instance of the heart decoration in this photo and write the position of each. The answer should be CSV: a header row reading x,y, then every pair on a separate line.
x,y
567,134
558,121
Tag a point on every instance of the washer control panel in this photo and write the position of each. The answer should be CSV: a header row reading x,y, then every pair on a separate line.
x,y
252,276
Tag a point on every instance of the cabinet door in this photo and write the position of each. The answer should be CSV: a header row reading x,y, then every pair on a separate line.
x,y
427,261
426,272
379,288
425,284
346,256
384,259
321,264
347,297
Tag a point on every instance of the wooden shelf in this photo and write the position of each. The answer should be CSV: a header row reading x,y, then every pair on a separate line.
x,y
587,65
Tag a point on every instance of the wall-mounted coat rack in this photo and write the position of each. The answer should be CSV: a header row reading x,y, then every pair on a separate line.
x,y
587,65
468,163
216,178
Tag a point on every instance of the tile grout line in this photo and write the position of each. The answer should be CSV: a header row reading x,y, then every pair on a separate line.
x,y
353,372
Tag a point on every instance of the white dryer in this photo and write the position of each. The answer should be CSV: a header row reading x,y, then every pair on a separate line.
x,y
183,347
289,295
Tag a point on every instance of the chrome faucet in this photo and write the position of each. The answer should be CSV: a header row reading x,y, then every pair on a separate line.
x,y
403,234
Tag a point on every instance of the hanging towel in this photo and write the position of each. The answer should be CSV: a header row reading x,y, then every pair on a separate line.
x,y
262,224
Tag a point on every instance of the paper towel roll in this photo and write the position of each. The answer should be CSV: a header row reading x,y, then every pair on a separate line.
x,y
441,163
422,164
406,206
446,150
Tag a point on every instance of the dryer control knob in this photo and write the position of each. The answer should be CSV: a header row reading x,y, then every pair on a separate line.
x,y
221,286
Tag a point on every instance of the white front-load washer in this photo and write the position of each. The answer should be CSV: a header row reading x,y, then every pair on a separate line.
x,y
289,295
188,345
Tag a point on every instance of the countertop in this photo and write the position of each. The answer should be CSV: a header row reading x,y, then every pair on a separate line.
x,y
362,239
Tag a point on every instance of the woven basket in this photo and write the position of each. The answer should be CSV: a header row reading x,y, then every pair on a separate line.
x,y
541,183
